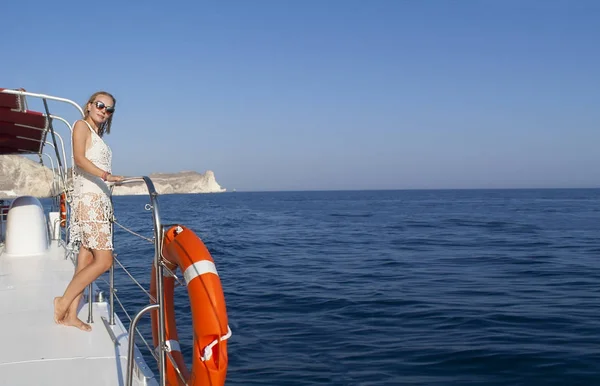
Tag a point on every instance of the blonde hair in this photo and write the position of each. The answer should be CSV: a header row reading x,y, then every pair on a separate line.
x,y
105,127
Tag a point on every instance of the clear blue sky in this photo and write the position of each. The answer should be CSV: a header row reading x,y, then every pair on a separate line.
x,y
328,94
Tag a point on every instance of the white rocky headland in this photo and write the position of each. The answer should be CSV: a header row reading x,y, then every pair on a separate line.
x,y
22,176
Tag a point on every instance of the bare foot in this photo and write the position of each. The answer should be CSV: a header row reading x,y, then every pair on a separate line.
x,y
76,322
67,316
59,312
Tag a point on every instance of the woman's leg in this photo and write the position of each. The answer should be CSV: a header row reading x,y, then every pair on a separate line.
x,y
84,259
103,259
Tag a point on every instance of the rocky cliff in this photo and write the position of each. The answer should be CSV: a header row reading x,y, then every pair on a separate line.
x,y
182,182
22,176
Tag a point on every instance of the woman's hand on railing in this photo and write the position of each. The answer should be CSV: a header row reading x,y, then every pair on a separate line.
x,y
112,178
125,180
130,180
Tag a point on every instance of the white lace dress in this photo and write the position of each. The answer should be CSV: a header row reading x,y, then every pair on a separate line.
x,y
92,208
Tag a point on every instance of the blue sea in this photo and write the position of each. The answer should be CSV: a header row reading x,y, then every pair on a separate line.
x,y
431,287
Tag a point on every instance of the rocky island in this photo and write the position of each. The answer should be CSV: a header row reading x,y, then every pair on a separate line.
x,y
22,176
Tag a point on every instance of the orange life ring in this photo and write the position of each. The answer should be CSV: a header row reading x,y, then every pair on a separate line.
x,y
63,210
183,249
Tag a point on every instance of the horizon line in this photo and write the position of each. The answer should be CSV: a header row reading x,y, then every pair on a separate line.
x,y
405,189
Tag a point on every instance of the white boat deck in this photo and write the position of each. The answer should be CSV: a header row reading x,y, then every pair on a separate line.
x,y
35,350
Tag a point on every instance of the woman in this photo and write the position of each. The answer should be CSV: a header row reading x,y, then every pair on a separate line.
x,y
92,208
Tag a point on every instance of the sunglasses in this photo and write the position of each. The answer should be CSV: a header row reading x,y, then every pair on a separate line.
x,y
101,106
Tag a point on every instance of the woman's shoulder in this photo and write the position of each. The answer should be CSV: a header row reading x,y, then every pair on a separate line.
x,y
81,124
81,128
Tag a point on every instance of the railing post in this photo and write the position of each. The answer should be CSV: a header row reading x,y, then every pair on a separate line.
x,y
161,317
112,294
90,318
111,274
158,241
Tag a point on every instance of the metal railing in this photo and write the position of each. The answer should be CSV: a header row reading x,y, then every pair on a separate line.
x,y
59,171
158,302
3,214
